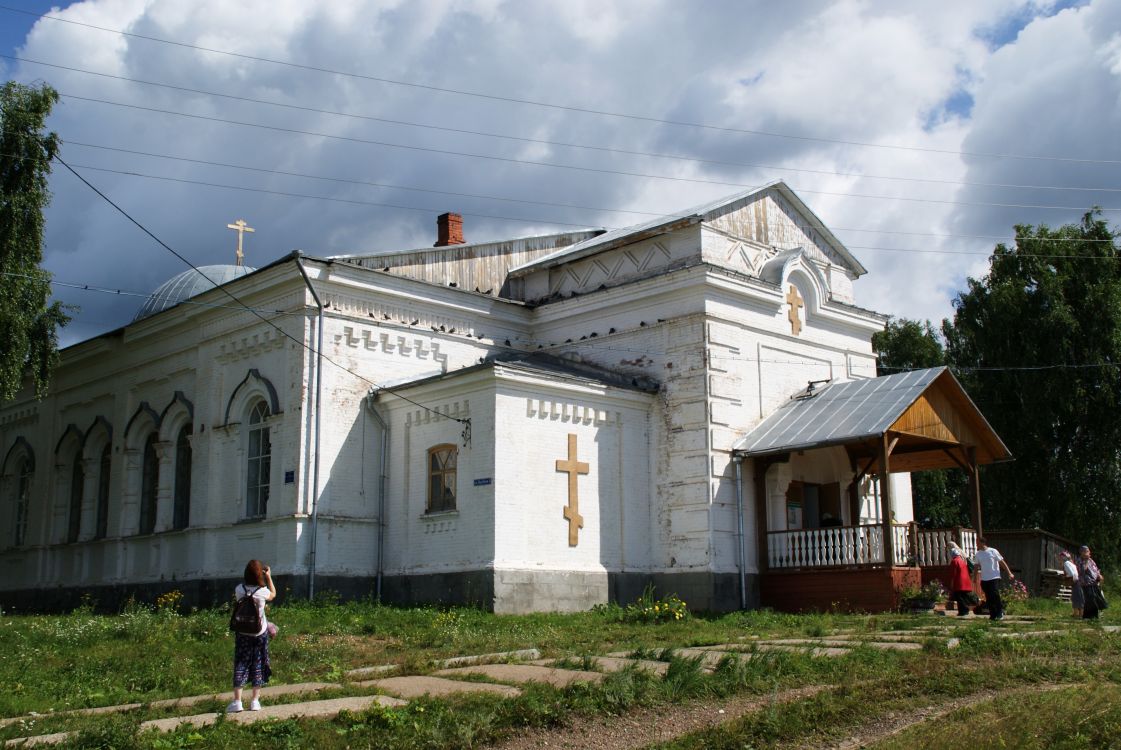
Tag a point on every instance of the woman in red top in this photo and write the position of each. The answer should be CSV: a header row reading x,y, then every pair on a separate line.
x,y
961,585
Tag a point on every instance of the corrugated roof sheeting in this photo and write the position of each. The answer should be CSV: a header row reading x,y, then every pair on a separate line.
x,y
838,413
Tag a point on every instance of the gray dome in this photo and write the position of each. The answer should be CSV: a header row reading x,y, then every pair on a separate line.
x,y
187,285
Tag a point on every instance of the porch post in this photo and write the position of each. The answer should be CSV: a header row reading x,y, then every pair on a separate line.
x,y
974,489
759,468
885,500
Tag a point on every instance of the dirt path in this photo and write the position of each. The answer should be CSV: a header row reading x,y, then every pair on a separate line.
x,y
644,727
888,726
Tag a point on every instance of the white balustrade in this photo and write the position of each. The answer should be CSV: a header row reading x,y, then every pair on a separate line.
x,y
840,546
835,546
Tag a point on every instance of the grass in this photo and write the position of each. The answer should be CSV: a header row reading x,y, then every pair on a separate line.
x,y
53,663
1089,717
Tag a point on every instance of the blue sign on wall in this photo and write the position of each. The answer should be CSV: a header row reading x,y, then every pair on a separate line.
x,y
289,477
483,482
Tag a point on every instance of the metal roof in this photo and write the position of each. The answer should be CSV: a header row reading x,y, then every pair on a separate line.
x,y
189,283
703,212
838,413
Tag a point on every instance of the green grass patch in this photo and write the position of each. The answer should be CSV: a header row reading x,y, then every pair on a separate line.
x,y
1071,718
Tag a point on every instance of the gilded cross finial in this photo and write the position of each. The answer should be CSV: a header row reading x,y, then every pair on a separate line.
x,y
796,302
241,228
574,468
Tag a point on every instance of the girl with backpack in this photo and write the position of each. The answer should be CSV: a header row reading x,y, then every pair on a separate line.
x,y
251,650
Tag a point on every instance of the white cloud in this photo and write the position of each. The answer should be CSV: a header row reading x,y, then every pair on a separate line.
x,y
1039,81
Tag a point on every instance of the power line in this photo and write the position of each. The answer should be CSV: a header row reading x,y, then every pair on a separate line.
x,y
317,197
561,107
520,139
242,305
555,165
391,186
937,251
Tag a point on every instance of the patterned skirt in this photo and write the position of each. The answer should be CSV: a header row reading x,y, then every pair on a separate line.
x,y
251,660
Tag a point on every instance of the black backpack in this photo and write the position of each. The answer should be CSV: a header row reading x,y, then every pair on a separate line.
x,y
246,618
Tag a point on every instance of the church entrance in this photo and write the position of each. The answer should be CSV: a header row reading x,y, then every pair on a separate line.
x,y
813,506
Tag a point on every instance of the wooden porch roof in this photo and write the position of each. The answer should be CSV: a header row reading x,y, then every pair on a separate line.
x,y
925,416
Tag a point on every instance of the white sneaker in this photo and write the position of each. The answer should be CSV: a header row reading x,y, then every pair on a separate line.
x,y
255,705
234,707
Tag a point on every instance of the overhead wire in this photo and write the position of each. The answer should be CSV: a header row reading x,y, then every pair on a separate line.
x,y
391,186
540,141
242,305
552,105
556,165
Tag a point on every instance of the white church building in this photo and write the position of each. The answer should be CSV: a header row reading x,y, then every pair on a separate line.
x,y
542,423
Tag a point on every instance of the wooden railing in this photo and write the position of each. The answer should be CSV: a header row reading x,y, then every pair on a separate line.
x,y
933,545
846,546
823,548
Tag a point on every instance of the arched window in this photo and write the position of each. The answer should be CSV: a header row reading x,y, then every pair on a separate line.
x,y
441,478
25,471
182,515
103,493
149,483
259,462
77,486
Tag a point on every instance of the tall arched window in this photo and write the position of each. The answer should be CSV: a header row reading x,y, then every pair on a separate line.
x,y
103,493
77,486
149,483
182,515
25,471
441,478
259,455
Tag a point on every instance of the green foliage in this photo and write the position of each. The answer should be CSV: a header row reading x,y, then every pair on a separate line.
x,y
907,345
30,325
1037,341
647,608
939,496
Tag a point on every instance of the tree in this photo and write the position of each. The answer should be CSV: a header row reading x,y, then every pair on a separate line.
x,y
1038,341
29,323
907,345
939,495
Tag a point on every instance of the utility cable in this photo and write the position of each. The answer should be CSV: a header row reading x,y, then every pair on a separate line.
x,y
561,107
390,186
555,165
539,141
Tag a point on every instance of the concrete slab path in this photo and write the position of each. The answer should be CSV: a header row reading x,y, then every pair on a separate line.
x,y
415,686
310,709
189,700
526,673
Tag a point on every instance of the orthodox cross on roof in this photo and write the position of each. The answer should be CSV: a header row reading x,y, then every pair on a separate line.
x,y
241,228
572,510
796,302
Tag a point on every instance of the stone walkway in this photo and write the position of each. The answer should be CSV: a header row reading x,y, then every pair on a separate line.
x,y
505,672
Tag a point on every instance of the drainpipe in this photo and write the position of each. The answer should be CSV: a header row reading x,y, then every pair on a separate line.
x,y
318,411
737,461
383,469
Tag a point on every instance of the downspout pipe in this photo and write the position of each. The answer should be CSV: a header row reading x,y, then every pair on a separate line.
x,y
383,471
318,414
737,461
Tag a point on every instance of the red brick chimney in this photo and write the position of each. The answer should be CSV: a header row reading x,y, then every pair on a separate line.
x,y
449,230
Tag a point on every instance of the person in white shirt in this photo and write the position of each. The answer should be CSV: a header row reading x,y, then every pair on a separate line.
x,y
989,562
1070,570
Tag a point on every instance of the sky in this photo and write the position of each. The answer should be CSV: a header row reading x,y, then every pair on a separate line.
x,y
920,133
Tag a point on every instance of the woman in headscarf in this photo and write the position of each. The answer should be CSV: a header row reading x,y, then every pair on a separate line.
x,y
961,584
1091,579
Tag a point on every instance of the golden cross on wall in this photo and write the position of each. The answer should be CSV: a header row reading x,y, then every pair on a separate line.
x,y
241,227
795,302
572,510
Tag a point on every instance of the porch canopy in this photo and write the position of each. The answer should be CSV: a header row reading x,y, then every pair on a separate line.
x,y
912,421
